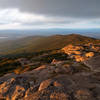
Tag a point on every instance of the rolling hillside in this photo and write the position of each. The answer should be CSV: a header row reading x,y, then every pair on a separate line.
x,y
40,43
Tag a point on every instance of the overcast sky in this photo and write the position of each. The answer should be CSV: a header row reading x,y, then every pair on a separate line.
x,y
36,14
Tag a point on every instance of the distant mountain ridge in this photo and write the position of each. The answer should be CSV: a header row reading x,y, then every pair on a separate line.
x,y
40,43
13,34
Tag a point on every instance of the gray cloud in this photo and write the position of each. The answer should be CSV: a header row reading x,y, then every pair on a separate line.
x,y
65,8
22,14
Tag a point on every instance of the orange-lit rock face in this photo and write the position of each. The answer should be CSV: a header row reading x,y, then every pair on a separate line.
x,y
45,84
79,58
70,49
90,54
96,48
74,52
81,53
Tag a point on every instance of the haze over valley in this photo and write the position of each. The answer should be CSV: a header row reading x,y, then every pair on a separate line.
x,y
8,35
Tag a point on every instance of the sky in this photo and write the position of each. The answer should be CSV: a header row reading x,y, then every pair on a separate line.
x,y
44,14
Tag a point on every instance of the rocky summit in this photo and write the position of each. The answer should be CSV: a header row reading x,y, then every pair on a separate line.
x,y
74,78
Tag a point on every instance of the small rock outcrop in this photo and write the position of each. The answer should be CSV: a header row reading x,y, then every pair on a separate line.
x,y
71,49
45,84
83,95
14,88
90,54
81,53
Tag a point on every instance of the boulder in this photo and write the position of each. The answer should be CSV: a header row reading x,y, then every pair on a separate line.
x,y
79,58
89,54
57,84
59,96
45,84
4,87
56,62
14,88
18,94
83,95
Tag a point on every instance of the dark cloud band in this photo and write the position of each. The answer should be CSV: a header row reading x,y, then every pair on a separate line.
x,y
66,8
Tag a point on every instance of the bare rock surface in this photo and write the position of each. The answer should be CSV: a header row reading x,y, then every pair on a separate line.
x,y
60,86
94,63
77,78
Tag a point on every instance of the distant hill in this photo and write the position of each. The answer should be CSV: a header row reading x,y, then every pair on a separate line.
x,y
40,43
94,35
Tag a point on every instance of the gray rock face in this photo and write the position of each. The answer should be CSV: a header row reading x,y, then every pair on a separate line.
x,y
83,95
53,82
93,63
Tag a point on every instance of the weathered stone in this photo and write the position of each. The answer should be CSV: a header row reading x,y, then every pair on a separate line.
x,y
18,93
83,95
45,84
56,84
58,96
90,54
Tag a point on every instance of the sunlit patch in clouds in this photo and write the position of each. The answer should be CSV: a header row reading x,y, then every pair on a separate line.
x,y
15,19
15,16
